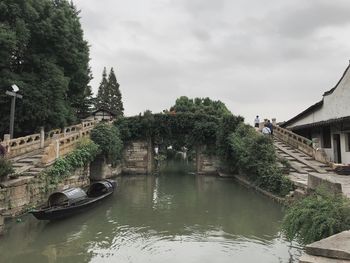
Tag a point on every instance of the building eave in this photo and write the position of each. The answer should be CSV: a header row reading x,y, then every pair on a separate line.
x,y
309,110
321,123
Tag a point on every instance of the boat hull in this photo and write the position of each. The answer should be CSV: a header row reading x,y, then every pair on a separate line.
x,y
60,212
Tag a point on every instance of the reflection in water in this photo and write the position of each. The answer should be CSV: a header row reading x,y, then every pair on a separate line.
x,y
151,219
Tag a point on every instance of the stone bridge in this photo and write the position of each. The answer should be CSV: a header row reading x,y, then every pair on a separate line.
x,y
30,154
309,164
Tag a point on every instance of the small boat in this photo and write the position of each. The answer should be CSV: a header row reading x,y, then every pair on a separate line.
x,y
72,201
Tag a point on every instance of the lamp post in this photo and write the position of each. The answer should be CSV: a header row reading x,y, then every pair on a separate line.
x,y
14,95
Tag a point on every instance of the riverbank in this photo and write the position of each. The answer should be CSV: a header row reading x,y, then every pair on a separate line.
x,y
244,181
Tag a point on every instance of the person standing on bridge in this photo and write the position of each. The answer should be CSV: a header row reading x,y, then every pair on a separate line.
x,y
270,126
257,122
266,130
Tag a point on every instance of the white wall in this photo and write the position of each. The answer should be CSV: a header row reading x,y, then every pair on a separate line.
x,y
335,105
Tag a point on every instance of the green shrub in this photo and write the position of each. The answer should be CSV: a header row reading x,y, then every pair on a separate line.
x,y
317,216
5,167
255,156
107,137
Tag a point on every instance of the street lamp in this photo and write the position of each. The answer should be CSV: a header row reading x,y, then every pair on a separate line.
x,y
14,95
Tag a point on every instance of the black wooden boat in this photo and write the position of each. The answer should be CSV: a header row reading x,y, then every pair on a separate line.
x,y
74,200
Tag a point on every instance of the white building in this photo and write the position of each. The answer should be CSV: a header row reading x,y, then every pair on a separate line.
x,y
328,121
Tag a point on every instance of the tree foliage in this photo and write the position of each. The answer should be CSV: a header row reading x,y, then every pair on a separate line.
x,y
42,51
317,216
254,155
6,167
107,137
109,96
181,129
200,106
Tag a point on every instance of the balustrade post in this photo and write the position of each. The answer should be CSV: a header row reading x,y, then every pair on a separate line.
x,y
42,137
56,140
7,138
274,121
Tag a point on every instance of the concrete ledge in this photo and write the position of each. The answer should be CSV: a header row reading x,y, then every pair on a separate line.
x,y
314,259
336,246
17,182
316,180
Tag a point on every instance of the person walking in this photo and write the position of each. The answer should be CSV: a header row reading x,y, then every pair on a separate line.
x,y
266,130
270,126
256,122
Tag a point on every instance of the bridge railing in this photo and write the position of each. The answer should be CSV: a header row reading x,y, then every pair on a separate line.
x,y
301,143
63,143
22,145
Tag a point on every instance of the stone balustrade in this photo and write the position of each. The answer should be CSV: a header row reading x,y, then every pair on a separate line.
x,y
22,145
301,143
19,146
65,142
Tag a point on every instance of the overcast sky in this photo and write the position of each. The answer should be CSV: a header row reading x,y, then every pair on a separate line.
x,y
268,57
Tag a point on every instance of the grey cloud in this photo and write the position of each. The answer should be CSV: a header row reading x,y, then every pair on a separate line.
x,y
267,57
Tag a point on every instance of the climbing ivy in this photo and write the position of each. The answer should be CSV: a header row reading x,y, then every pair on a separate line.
x,y
85,152
179,129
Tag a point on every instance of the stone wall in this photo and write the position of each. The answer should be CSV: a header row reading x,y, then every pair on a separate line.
x,y
100,169
137,156
207,164
19,195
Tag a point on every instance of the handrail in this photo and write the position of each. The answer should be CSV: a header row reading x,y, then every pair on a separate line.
x,y
301,143
22,145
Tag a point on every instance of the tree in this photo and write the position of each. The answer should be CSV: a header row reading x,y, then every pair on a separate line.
x,y
107,137
116,104
42,50
109,96
102,95
200,106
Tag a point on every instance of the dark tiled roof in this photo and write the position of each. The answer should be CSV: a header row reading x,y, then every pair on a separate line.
x,y
321,123
312,108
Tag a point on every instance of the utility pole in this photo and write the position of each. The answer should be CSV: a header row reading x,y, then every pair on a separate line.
x,y
14,95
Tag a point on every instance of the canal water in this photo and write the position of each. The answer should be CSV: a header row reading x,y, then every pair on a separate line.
x,y
174,218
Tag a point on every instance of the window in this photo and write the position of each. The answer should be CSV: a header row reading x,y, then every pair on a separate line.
x,y
326,137
347,142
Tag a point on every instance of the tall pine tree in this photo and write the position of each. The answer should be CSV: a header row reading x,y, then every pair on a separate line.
x,y
109,96
102,95
116,104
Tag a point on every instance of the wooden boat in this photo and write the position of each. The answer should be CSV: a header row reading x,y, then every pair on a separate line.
x,y
72,201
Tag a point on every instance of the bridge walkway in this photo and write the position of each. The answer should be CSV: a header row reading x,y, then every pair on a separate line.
x,y
303,166
29,163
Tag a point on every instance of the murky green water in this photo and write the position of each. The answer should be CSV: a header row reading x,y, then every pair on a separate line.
x,y
159,219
